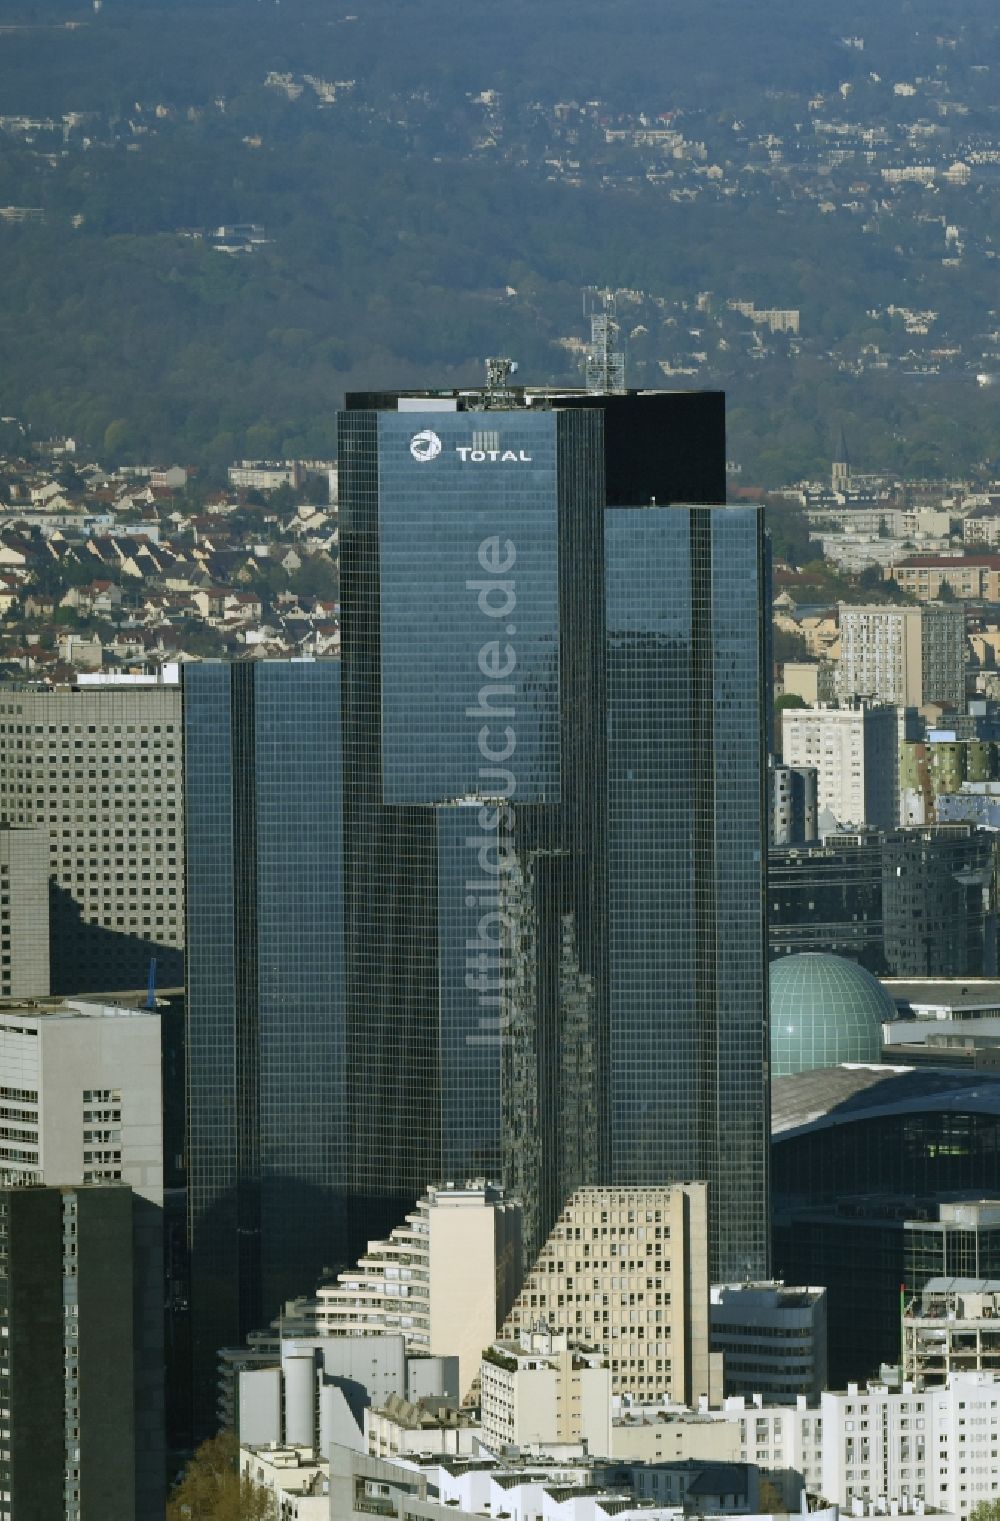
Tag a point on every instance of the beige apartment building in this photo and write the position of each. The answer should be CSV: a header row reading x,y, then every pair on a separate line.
x,y
444,1279
624,1272
99,769
905,656
966,576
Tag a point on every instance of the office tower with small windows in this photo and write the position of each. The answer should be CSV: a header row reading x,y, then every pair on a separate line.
x,y
98,770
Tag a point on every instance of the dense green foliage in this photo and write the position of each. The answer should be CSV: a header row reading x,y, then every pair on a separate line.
x,y
392,247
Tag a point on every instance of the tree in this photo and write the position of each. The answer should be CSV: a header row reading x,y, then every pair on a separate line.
x,y
986,1510
212,1488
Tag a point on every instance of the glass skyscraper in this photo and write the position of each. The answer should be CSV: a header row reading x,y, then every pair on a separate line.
x,y
685,901
553,809
485,897
265,994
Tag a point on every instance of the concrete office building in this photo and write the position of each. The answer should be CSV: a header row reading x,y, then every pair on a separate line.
x,y
952,1326
904,903
773,1339
828,898
80,1093
99,770
908,657
855,751
625,1272
24,912
318,1388
589,1043
69,1439
445,1278
542,1393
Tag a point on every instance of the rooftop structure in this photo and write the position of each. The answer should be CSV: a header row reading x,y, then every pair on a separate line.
x,y
952,1326
824,1011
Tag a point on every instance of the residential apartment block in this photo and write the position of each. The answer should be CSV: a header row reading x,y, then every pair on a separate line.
x,y
904,656
625,1273
445,1278
855,751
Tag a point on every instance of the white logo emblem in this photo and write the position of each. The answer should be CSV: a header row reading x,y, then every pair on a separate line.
x,y
425,446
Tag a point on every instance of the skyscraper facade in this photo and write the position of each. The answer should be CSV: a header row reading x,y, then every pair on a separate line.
x,y
685,901
553,815
265,993
98,769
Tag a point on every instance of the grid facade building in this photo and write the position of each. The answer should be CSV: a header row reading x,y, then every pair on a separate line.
x,y
24,912
265,970
625,1272
905,656
511,780
99,770
685,902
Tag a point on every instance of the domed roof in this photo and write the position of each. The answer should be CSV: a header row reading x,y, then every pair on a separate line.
x,y
824,1011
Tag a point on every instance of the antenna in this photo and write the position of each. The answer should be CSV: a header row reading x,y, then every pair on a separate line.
x,y
499,392
605,360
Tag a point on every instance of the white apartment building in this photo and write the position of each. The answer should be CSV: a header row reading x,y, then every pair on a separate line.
x,y
99,770
625,1273
444,1279
855,751
883,1445
538,1390
24,912
297,1479
904,656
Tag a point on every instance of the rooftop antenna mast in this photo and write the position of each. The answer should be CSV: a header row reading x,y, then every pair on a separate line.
x,y
605,359
499,392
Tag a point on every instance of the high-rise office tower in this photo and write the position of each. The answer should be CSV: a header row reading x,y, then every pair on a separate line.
x,y
99,769
553,804
686,826
265,968
81,1100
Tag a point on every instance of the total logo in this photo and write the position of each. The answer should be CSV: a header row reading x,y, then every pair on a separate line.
x,y
426,446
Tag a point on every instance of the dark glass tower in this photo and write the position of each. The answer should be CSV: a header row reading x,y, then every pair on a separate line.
x,y
685,902
265,974
472,639
553,805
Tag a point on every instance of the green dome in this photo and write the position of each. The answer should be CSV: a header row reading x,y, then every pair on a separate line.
x,y
824,1011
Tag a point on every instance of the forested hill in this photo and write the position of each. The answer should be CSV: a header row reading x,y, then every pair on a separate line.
x,y
223,213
